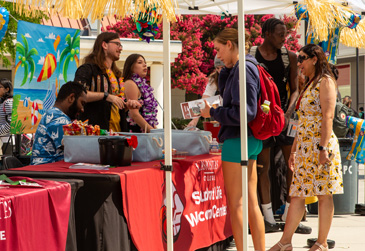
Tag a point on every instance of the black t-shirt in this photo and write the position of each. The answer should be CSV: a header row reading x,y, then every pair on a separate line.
x,y
277,70
98,112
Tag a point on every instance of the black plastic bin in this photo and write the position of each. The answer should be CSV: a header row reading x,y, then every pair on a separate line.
x,y
345,203
115,151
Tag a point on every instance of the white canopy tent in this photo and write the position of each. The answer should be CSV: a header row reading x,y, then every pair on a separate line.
x,y
76,9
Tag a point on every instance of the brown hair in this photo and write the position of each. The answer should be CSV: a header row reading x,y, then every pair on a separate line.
x,y
322,67
128,65
97,55
231,34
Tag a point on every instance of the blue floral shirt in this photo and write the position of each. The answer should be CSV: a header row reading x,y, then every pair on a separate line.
x,y
47,147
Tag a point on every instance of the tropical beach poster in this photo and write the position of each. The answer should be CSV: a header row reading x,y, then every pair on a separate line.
x,y
46,58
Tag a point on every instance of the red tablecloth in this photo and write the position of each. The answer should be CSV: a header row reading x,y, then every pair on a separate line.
x,y
34,218
200,214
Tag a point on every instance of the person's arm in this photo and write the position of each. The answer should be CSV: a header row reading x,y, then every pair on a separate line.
x,y
327,96
84,75
231,115
293,84
7,106
195,121
132,92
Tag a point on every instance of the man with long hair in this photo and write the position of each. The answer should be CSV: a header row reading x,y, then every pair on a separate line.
x,y
105,103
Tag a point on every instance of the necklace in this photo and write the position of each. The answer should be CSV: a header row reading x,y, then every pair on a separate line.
x,y
149,105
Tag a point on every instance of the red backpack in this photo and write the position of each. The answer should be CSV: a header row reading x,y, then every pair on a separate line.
x,y
271,124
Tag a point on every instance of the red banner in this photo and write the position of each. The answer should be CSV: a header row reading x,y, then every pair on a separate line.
x,y
34,218
200,213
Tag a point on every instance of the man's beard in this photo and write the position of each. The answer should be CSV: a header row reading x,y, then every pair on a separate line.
x,y
73,110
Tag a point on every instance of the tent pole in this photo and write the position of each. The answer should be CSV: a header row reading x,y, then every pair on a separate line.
x,y
243,119
167,129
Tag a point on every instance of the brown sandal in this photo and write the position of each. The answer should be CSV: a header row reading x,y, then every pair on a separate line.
x,y
321,247
284,247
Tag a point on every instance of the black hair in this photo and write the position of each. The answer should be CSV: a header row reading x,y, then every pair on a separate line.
x,y
269,25
322,66
7,84
361,108
334,71
69,88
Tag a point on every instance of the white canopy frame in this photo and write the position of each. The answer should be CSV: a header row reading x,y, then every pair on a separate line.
x,y
206,7
228,7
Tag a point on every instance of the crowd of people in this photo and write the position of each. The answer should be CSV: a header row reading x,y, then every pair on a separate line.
x,y
123,101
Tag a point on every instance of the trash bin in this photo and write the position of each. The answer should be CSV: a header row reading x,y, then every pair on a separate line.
x,y
345,203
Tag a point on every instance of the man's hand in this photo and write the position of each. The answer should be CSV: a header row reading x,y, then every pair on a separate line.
x,y
205,113
133,104
119,102
287,118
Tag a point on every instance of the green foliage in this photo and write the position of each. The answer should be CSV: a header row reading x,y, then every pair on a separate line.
x,y
7,45
16,125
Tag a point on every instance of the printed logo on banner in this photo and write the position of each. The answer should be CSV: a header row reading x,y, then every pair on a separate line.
x,y
6,212
211,195
177,210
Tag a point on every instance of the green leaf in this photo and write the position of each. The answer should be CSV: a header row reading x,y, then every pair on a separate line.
x,y
32,52
26,46
76,42
25,74
32,68
68,40
74,38
65,67
64,53
20,49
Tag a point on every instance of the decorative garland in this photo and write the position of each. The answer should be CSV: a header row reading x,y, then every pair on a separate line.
x,y
149,106
328,30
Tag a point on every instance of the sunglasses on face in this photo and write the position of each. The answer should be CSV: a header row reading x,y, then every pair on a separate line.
x,y
301,58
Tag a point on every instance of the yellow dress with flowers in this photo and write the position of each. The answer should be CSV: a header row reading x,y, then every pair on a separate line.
x,y
308,178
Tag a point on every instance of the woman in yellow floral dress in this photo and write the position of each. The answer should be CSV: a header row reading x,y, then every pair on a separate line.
x,y
315,158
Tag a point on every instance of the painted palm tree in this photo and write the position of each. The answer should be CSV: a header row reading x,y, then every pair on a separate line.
x,y
26,59
70,52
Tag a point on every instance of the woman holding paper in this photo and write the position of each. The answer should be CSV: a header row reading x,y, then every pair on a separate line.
x,y
228,115
136,88
212,86
315,157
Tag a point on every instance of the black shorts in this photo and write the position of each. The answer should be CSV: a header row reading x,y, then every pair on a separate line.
x,y
281,140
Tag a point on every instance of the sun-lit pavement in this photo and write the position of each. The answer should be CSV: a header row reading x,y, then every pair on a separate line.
x,y
348,231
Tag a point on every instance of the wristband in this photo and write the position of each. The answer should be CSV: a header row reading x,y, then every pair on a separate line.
x,y
106,94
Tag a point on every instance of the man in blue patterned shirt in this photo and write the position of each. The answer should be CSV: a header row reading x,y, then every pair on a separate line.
x,y
47,147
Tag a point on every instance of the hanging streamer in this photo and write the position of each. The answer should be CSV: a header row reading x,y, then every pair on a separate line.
x,y
4,21
357,151
325,30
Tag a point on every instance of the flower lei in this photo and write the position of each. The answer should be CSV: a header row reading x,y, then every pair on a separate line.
x,y
117,87
149,106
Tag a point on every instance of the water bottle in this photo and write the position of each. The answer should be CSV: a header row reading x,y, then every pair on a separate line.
x,y
265,107
214,146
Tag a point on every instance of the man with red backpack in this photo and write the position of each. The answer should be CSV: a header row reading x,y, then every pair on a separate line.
x,y
281,64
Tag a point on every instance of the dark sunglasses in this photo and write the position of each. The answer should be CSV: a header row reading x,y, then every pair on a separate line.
x,y
301,58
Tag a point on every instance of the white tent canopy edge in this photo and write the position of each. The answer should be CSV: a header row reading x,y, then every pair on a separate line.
x,y
218,7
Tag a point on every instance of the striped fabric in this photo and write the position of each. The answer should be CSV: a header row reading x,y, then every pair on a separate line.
x,y
5,116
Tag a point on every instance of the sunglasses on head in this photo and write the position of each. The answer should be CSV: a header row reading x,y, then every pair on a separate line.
x,y
301,58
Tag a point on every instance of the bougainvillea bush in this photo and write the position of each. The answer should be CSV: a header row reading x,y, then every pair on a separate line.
x,y
196,61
